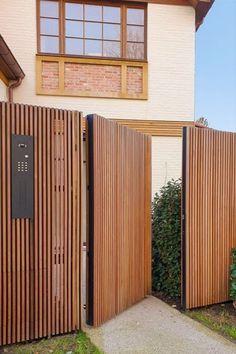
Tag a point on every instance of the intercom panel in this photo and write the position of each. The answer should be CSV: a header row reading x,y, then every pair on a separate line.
x,y
22,176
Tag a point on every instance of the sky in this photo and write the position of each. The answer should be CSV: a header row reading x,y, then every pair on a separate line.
x,y
216,67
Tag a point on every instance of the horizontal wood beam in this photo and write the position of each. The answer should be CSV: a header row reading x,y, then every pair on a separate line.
x,y
157,127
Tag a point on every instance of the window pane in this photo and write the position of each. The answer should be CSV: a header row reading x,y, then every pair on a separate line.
x,y
111,31
49,44
74,46
93,48
111,14
74,11
93,30
111,49
74,28
49,8
135,33
135,50
135,16
93,13
49,26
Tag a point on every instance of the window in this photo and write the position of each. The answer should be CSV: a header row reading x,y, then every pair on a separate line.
x,y
92,29
49,26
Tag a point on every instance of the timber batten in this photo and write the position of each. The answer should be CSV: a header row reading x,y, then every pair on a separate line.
x,y
120,218
208,220
40,258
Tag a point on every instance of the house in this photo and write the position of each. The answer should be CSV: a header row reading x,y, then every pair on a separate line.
x,y
132,61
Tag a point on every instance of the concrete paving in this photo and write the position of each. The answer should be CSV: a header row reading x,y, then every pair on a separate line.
x,y
152,326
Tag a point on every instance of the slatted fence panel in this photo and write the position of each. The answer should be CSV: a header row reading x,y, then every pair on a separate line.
x,y
120,218
40,258
209,208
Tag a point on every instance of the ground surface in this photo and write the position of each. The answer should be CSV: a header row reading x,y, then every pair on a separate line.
x,y
151,327
221,318
66,344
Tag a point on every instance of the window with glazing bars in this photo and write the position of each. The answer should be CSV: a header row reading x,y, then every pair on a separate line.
x,y
96,29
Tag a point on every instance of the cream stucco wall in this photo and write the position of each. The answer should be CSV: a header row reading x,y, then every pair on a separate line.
x,y
166,161
3,91
171,57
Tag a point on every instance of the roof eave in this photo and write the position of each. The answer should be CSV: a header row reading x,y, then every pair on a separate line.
x,y
8,63
202,8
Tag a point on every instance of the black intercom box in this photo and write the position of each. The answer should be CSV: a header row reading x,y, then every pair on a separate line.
x,y
22,155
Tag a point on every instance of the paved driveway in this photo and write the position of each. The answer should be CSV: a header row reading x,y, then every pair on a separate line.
x,y
152,326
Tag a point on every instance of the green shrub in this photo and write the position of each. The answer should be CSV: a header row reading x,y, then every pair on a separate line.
x,y
166,228
233,275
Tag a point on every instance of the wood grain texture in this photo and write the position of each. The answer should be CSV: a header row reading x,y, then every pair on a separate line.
x,y
156,127
120,218
40,258
209,219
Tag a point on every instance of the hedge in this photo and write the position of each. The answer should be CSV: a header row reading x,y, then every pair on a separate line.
x,y
166,227
233,276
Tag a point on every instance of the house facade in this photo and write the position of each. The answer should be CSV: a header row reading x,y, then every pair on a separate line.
x,y
133,61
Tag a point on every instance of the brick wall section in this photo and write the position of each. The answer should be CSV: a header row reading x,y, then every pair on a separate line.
x,y
134,80
98,80
50,75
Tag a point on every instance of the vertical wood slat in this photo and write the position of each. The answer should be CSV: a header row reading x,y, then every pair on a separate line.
x,y
14,287
9,245
35,299
22,249
209,217
120,218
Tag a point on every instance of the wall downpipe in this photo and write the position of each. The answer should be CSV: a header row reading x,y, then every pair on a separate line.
x,y
12,87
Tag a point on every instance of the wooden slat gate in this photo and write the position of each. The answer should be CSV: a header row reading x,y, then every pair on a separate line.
x,y
40,258
119,252
209,215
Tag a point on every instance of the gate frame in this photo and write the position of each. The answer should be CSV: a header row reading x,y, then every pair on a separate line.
x,y
183,219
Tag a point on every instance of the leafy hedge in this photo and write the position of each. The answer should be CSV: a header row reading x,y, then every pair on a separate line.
x,y
233,275
167,239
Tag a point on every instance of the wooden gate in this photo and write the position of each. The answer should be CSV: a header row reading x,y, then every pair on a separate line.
x,y
40,258
209,215
119,250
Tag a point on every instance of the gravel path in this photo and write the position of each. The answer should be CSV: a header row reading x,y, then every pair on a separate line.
x,y
152,326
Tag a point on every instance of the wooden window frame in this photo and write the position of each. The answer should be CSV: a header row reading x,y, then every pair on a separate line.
x,y
62,60
124,5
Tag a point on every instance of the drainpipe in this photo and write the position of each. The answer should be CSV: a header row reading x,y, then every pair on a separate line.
x,y
12,87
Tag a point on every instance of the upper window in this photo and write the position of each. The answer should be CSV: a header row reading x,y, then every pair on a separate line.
x,y
86,29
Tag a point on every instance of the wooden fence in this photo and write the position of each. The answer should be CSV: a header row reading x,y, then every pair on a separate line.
x,y
40,258
209,210
119,218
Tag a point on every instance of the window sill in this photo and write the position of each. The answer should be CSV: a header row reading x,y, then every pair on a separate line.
x,y
86,57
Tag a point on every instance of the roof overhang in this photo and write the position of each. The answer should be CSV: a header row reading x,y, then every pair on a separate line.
x,y
201,7
9,67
